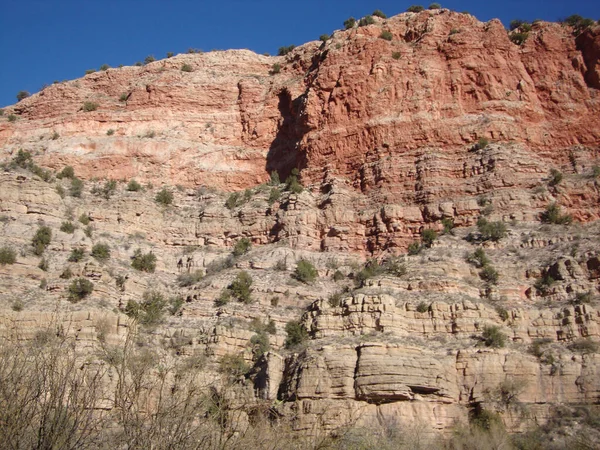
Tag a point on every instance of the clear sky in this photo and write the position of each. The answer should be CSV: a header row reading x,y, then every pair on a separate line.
x,y
46,40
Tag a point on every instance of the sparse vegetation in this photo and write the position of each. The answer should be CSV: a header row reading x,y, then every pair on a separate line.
x,y
187,68
66,172
242,247
275,69
491,231
282,51
415,9
379,13
367,20
324,37
422,307
22,95
41,239
553,215
518,38
76,255
349,23
296,334
149,59
240,287
493,337
67,227
434,6
90,106
107,190
150,312
556,177
164,197
305,271
7,256
134,186
292,184
386,35
428,237
396,55
101,251
79,289
189,279
11,118
76,188
144,262
233,365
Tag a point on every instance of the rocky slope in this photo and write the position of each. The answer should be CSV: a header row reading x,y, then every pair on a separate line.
x,y
384,133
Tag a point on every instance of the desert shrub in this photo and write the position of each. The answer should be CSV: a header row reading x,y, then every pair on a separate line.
x,y
260,345
578,23
422,307
478,258
187,68
101,252
1,112
55,136
415,8
67,227
223,298
134,186
76,255
335,299
60,191
11,118
583,298
428,236
22,159
396,55
123,97
448,225
296,334
242,247
552,214
484,419
7,255
519,38
595,171
274,195
110,132
41,239
240,287
556,177
143,262
292,183
282,51
379,13
84,219
482,143
489,274
22,95
338,276
305,271
274,178
414,248
393,266
88,231
493,337
367,20
434,6
584,346
90,71
170,54
233,365
90,106
79,289
234,200
454,31
543,284
275,69
149,59
44,265
17,305
349,23
189,279
491,231
66,172
324,37
514,24
104,67
386,35
502,313
164,197
107,190
536,347
150,311
76,188
66,274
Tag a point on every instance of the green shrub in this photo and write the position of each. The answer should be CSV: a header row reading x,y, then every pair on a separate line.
x,y
234,200
90,106
41,239
367,20
448,225
67,227
275,69
260,345
233,365
324,37
1,112
493,337
88,231
502,313
189,279
514,24
164,197
422,307
489,274
305,271
66,274
187,68
478,258
556,177
491,231
285,50
595,171
149,59
296,334
66,172
435,6
134,186
76,255
110,132
414,248
387,35
7,256
484,419
242,247
55,136
143,262
123,97
338,276
349,23
22,159
519,38
482,143
150,311
543,284
11,118
84,219
274,195
223,298
292,183
335,299
536,347
454,31
274,180
76,188
107,190
90,71
379,13
240,287
101,252
584,346
552,214
104,67
578,23
170,54
428,237
44,265
22,95
371,269
396,55
415,9
79,289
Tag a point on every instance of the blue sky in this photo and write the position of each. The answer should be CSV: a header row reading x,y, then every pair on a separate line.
x,y
46,40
